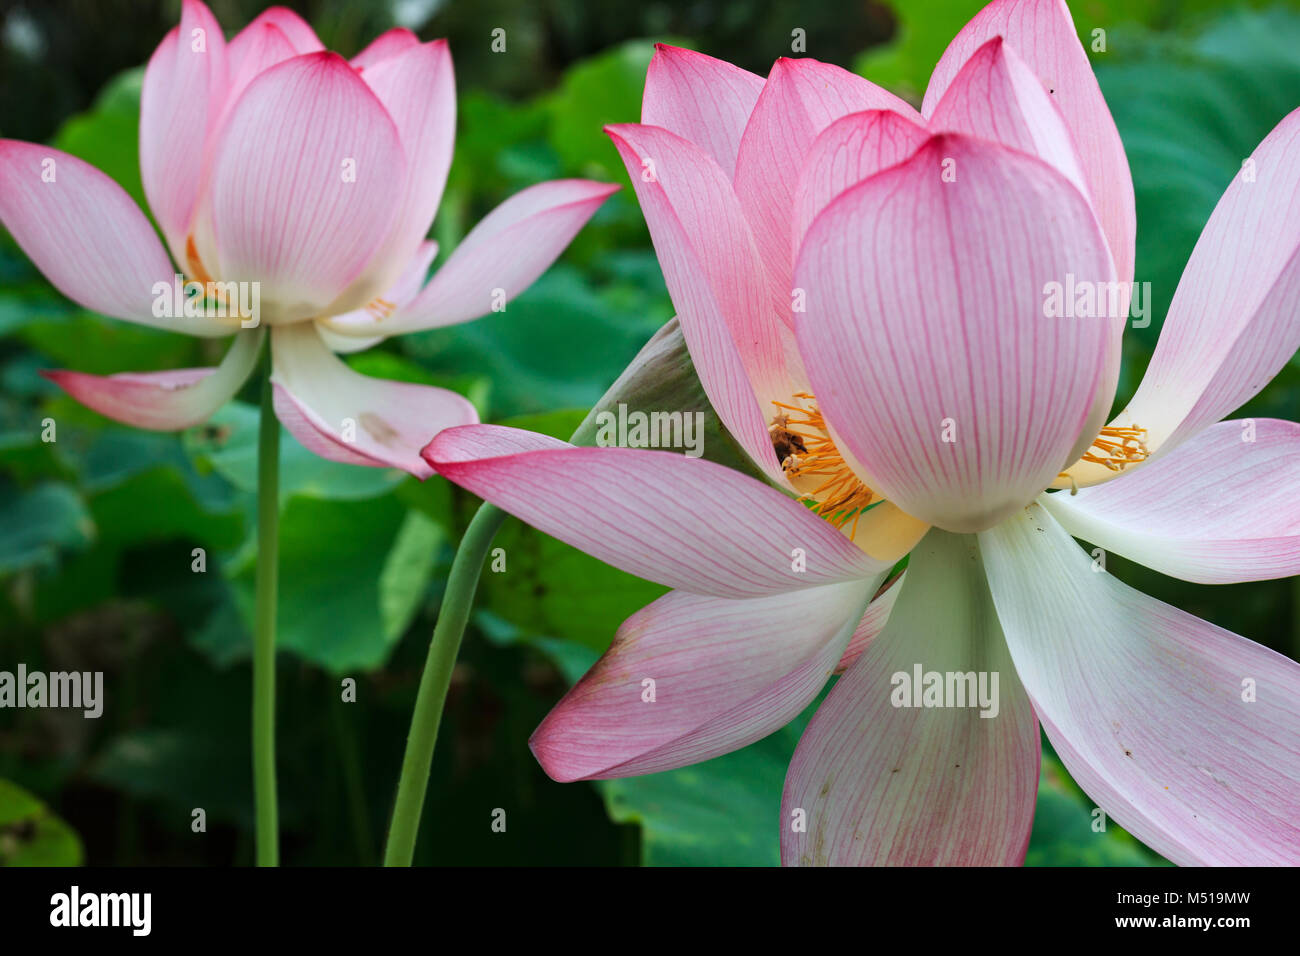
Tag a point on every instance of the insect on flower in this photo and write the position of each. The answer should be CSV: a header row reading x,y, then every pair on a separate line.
x,y
923,392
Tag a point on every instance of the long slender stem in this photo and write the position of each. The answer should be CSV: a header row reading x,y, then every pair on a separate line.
x,y
456,603
268,560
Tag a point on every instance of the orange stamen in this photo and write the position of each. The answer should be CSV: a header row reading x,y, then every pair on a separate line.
x,y
380,309
1114,448
842,495
1117,448
195,262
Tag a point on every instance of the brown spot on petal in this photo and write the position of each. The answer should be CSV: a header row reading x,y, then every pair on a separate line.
x,y
377,428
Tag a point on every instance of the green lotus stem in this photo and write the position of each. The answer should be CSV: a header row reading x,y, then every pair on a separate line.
x,y
447,633
268,559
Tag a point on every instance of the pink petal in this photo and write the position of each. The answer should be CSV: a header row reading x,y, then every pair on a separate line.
x,y
801,98
1231,326
716,281
418,89
872,622
345,416
254,50
180,103
293,27
389,44
165,401
884,784
304,185
412,278
1186,734
847,152
701,99
933,361
1219,509
359,322
1043,33
725,673
997,96
503,255
88,237
682,522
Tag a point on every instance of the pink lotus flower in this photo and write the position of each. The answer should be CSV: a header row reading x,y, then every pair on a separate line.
x,y
269,160
922,401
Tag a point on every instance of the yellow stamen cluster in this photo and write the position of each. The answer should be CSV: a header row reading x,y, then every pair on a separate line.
x,y
805,449
380,309
1114,448
1117,448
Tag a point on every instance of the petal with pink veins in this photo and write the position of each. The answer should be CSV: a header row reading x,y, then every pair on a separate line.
x,y
294,28
1186,734
418,89
933,360
1232,323
872,622
181,101
305,185
701,99
342,331
1042,32
845,153
291,26
503,255
1219,509
726,672
386,45
880,778
715,277
253,51
344,416
681,522
165,401
800,99
997,96
89,238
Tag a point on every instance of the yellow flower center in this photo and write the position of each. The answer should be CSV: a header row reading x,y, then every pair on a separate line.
x,y
1114,448
814,465
817,469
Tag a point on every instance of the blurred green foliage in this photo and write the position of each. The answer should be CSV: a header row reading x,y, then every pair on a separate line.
x,y
100,527
30,835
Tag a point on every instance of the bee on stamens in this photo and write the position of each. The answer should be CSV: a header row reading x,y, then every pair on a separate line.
x,y
785,443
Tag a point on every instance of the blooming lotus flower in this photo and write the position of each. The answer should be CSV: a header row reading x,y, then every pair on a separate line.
x,y
921,401
269,160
